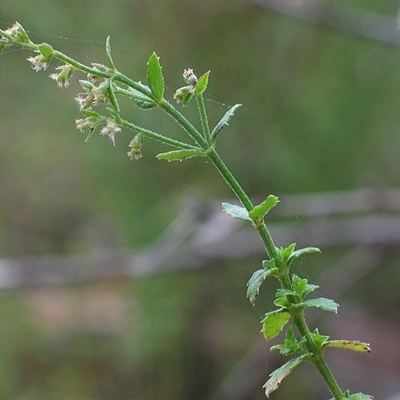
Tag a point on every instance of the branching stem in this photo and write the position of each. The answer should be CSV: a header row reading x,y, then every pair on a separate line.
x,y
203,145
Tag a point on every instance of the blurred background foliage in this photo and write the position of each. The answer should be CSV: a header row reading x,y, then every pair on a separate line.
x,y
320,114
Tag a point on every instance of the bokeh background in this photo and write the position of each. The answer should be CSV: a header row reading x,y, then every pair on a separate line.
x,y
120,279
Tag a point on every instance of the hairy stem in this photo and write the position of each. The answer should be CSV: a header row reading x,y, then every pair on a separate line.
x,y
203,115
156,136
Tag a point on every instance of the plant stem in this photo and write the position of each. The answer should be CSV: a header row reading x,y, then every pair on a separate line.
x,y
318,359
184,123
266,237
246,202
156,136
203,115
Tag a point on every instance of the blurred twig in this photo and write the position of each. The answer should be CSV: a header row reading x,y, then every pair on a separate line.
x,y
201,235
361,23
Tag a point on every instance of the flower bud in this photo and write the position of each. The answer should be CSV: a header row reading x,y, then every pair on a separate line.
x,y
135,153
18,33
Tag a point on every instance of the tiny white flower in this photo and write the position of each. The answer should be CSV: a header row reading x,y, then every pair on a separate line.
x,y
39,63
110,129
81,101
62,78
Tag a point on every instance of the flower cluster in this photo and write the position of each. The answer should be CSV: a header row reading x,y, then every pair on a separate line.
x,y
135,152
190,78
110,129
185,93
15,32
63,76
18,33
92,95
93,120
39,62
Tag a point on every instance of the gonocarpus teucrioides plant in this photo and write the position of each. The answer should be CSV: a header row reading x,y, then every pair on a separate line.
x,y
102,86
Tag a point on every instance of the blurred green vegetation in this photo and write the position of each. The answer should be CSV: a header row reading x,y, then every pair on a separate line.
x,y
320,113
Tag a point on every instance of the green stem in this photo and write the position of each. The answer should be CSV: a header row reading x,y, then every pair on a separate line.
x,y
203,115
266,237
230,179
184,123
318,359
155,136
246,202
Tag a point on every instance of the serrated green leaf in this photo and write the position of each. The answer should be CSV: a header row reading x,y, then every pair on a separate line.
x,y
290,346
274,322
269,264
262,209
300,252
309,288
180,155
223,122
236,211
155,77
287,252
301,286
353,345
322,303
276,377
255,282
108,52
320,340
281,301
202,83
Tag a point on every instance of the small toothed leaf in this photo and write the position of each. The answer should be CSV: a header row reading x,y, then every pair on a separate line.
x,y
155,77
259,211
301,286
276,377
202,83
274,322
255,282
322,303
236,211
286,252
353,345
224,122
301,252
